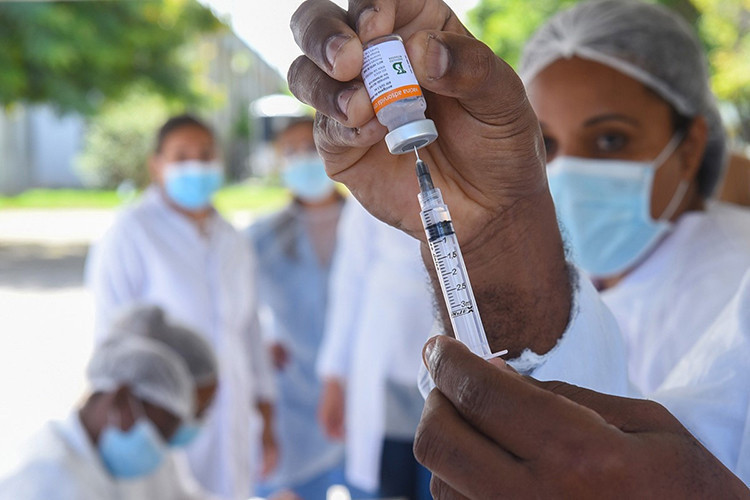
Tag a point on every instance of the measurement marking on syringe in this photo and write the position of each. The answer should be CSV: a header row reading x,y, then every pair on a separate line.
x,y
450,266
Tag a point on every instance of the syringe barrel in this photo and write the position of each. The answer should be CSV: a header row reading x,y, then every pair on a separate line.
x,y
451,269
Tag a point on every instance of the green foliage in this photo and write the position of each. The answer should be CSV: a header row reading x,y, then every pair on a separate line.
x,y
61,198
505,25
251,196
246,197
725,26
120,138
76,55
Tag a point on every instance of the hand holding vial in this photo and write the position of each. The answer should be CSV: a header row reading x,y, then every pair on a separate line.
x,y
488,159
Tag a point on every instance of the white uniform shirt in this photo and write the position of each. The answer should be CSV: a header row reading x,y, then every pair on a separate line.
x,y
60,463
709,389
155,255
379,316
670,300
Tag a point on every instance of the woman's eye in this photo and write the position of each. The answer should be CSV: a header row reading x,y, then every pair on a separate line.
x,y
610,143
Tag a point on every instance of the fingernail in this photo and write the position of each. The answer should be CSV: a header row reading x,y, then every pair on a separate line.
x,y
437,58
343,100
365,19
427,351
333,46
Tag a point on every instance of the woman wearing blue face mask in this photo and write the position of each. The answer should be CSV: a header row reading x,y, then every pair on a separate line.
x,y
117,440
635,148
172,248
294,248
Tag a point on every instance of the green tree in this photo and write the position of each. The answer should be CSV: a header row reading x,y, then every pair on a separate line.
x,y
723,26
77,55
120,138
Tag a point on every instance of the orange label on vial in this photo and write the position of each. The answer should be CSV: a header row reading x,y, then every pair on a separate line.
x,y
395,95
388,74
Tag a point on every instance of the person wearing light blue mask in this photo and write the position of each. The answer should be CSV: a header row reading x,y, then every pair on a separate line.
x,y
151,321
635,148
141,393
172,248
294,248
605,208
191,184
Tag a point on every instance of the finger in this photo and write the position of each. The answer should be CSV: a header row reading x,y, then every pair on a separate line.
x,y
346,102
341,146
627,414
462,67
320,29
374,18
508,409
440,490
455,451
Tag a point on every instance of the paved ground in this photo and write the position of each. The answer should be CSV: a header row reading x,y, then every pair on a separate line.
x,y
45,317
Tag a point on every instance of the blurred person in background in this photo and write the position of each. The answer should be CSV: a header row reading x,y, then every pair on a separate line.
x,y
149,321
173,249
379,316
141,394
294,248
635,149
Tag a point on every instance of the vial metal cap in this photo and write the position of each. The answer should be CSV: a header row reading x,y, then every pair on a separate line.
x,y
416,134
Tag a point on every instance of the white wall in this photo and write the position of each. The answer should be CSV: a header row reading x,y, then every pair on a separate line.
x,y
15,169
55,142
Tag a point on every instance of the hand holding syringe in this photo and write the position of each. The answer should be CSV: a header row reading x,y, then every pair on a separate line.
x,y
450,267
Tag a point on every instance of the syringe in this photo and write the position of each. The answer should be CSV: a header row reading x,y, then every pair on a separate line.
x,y
450,267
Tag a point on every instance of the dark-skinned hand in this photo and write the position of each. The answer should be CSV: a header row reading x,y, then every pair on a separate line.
x,y
487,432
488,160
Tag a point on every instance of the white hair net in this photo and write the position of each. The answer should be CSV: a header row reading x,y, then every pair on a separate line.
x,y
646,42
150,321
150,370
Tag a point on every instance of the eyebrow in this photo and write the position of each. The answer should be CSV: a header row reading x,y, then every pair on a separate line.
x,y
610,117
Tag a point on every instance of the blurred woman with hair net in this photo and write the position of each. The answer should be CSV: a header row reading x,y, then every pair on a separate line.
x,y
151,322
142,393
635,147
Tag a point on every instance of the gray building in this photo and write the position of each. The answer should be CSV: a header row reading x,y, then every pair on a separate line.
x,y
38,148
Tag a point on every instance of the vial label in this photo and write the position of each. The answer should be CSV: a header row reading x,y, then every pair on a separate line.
x,y
388,74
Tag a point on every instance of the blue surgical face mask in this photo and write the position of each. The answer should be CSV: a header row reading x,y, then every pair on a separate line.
x,y
604,208
305,176
186,434
134,453
191,184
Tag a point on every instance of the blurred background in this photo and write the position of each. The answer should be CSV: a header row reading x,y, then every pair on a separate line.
x,y
83,87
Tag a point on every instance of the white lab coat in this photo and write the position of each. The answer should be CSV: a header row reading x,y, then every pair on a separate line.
x,y
590,353
153,254
61,463
709,389
666,303
379,316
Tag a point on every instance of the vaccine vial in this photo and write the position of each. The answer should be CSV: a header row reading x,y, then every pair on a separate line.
x,y
396,95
